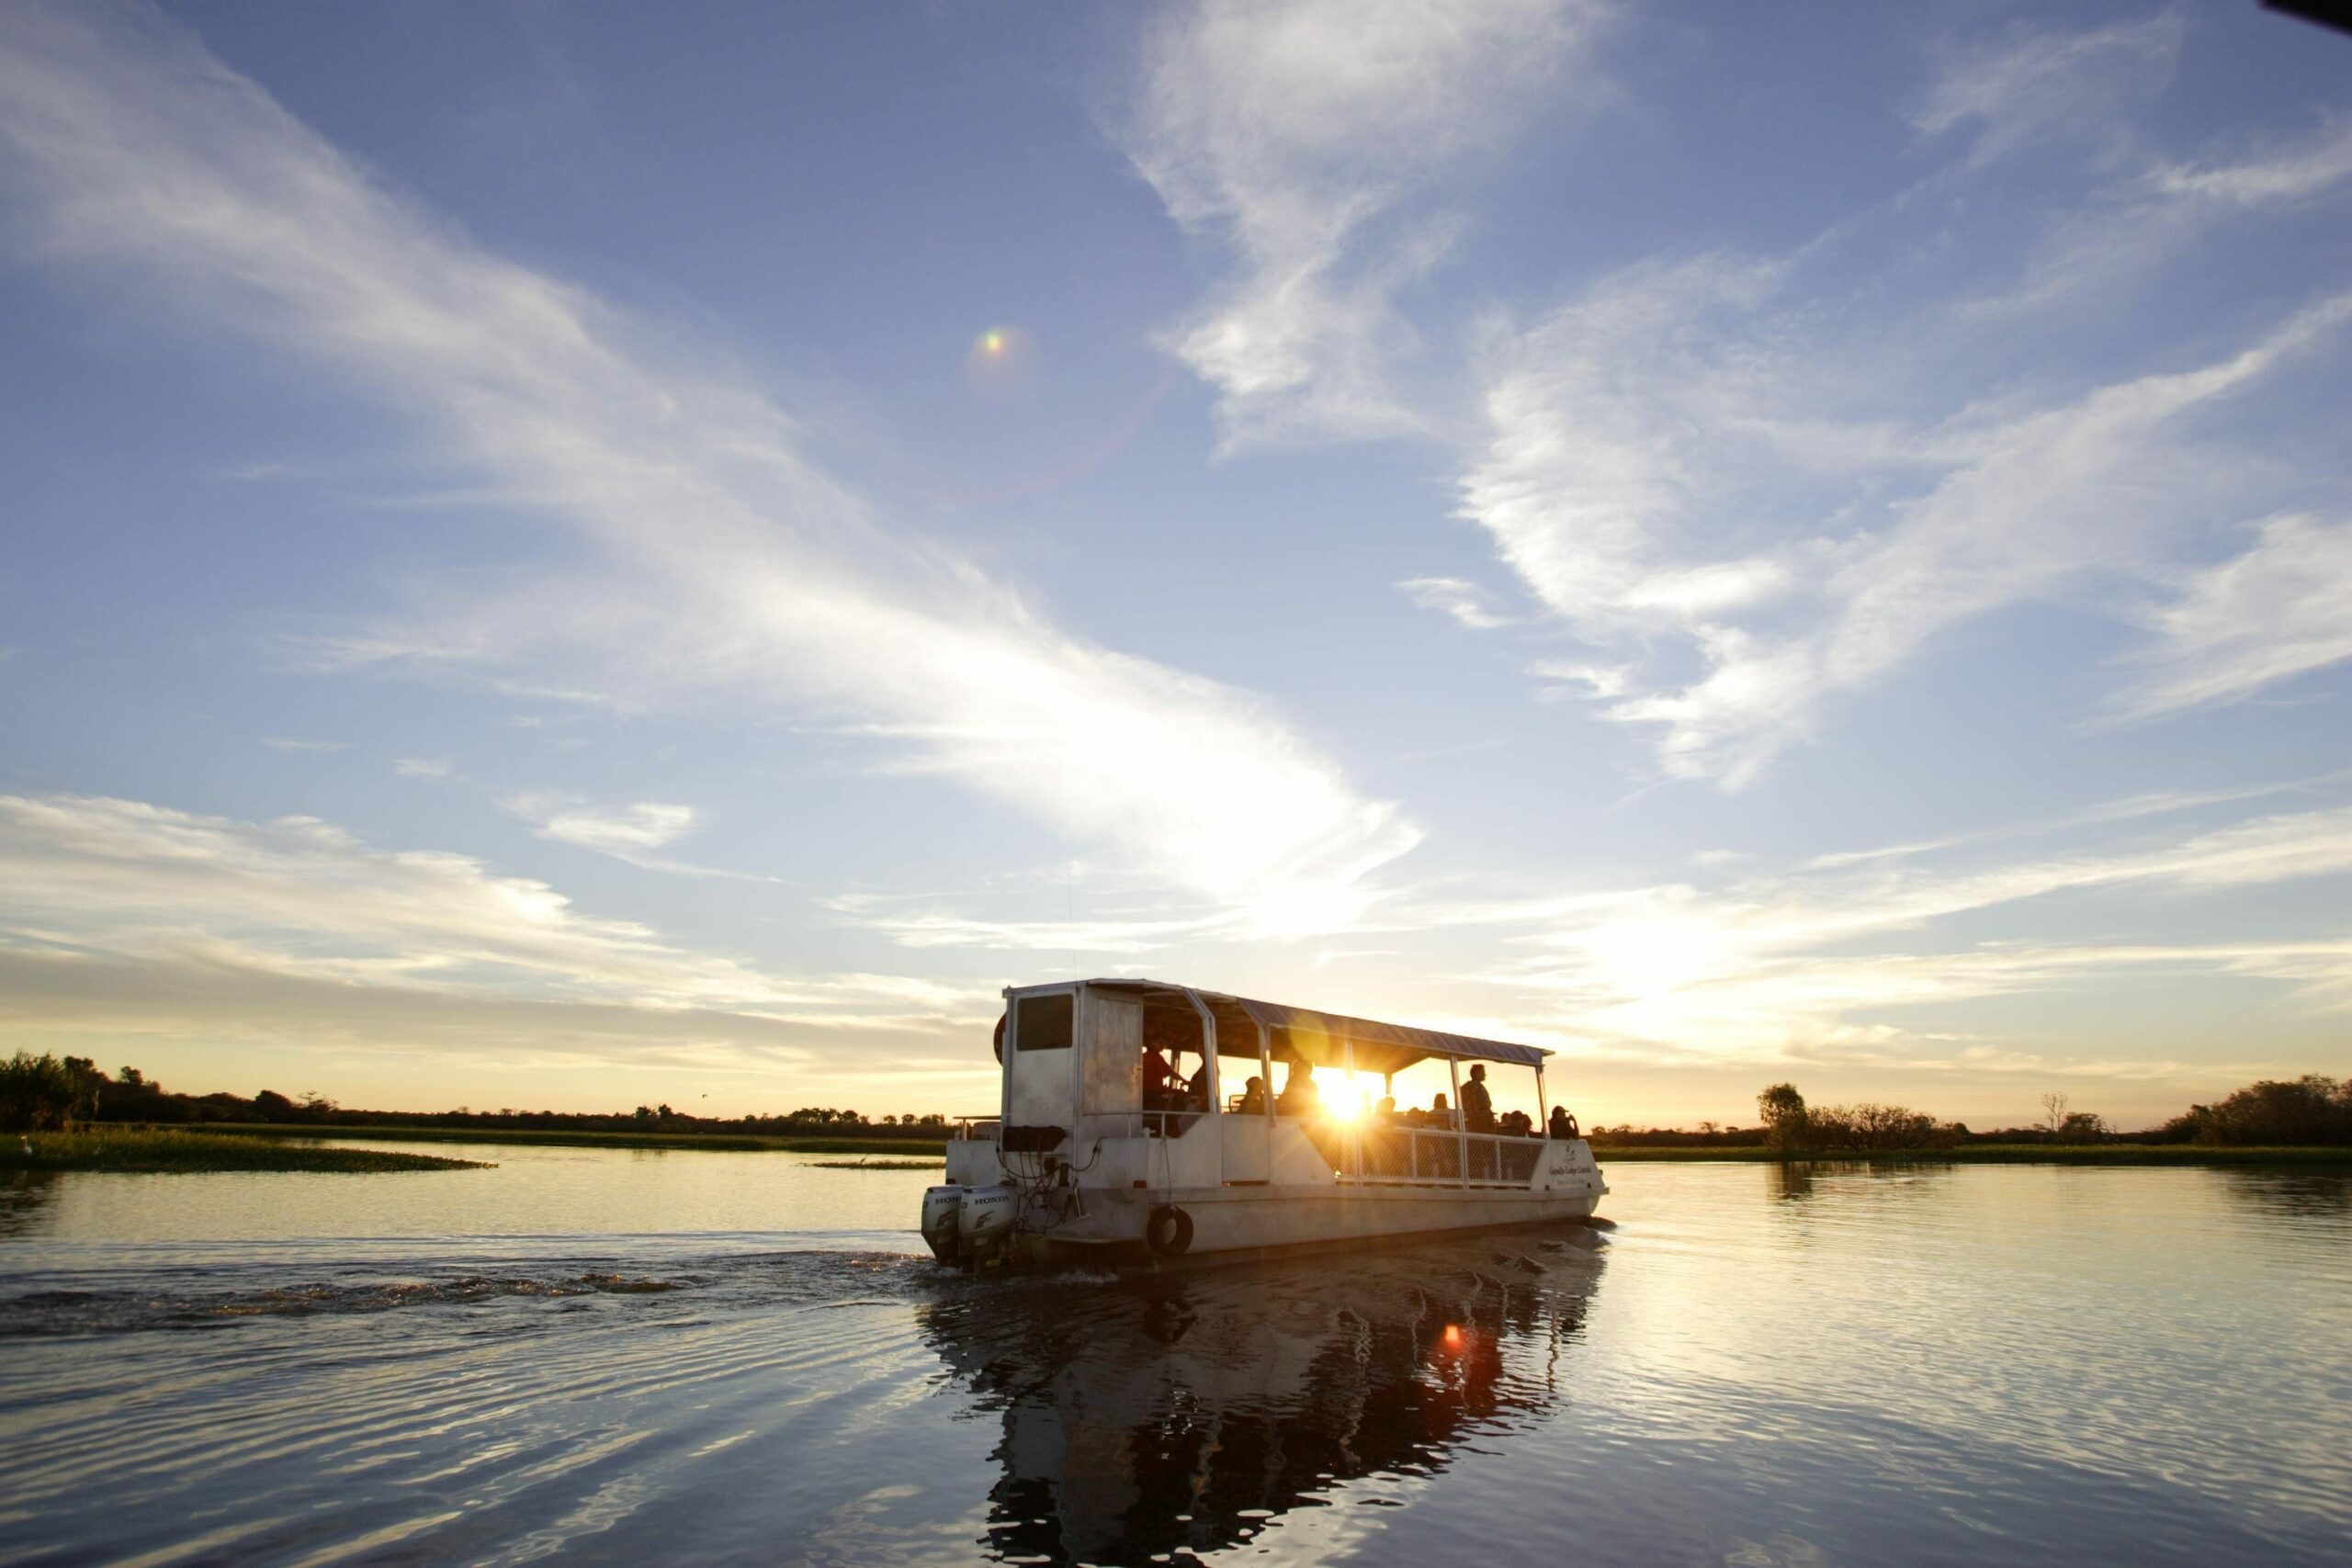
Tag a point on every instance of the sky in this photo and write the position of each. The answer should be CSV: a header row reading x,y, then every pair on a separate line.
x,y
577,555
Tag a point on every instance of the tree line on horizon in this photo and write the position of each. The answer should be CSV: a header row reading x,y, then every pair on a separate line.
x,y
47,1091
50,1092
2311,1111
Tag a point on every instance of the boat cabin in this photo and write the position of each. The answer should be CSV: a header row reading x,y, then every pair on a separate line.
x,y
1141,1083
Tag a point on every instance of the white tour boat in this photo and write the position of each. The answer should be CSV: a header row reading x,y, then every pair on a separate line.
x,y
1121,1136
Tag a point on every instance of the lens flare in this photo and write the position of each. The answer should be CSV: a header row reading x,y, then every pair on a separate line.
x,y
998,351
1002,363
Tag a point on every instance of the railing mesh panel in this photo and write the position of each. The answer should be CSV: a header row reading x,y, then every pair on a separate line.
x,y
1439,1153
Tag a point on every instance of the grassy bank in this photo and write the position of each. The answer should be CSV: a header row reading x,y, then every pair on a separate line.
x,y
169,1149
716,1142
2008,1154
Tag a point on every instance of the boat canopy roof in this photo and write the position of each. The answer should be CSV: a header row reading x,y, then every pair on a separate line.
x,y
1322,1039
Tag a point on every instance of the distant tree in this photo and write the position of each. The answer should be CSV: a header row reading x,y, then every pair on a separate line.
x,y
2307,1111
40,1092
132,1096
1785,1119
271,1106
665,1113
2084,1127
88,1085
644,1113
1867,1127
2054,1111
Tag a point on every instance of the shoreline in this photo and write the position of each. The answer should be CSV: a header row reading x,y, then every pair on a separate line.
x,y
1995,1153
934,1149
170,1151
716,1142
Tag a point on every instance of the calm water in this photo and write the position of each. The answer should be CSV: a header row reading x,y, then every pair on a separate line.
x,y
613,1356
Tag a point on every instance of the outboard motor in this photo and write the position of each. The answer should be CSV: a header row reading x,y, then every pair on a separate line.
x,y
940,1208
984,1225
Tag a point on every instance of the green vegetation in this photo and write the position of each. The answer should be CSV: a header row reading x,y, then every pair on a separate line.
x,y
879,1164
2307,1121
1989,1154
712,1142
40,1092
45,1091
2305,1111
156,1149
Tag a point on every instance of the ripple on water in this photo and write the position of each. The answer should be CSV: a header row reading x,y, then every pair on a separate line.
x,y
1830,1366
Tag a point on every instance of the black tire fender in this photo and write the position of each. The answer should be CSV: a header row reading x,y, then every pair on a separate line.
x,y
1168,1232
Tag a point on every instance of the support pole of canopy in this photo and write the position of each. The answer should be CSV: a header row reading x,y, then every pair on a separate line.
x,y
1461,1136
1004,1069
1266,1094
1355,1122
1209,1051
1542,1102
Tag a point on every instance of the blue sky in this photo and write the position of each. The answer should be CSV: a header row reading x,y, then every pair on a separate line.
x,y
567,554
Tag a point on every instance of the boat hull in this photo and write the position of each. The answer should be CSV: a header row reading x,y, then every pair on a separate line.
x,y
1246,1220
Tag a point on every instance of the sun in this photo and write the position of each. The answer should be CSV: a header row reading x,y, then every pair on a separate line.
x,y
1341,1100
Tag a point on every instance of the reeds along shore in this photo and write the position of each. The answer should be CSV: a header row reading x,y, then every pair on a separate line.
x,y
161,1151
1989,1154
934,1149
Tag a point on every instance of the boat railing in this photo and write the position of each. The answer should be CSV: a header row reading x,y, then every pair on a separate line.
x,y
983,1128
1397,1153
1442,1156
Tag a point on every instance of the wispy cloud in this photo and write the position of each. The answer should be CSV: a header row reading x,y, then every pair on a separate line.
x,y
2155,802
634,833
92,879
421,767
249,473
647,825
728,561
1681,456
2282,609
286,743
1299,135
1749,482
2021,508
1120,932
1457,597
2030,85
2102,249
1835,954
129,926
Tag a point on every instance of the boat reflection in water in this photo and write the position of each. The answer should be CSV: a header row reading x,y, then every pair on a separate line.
x,y
1183,1411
